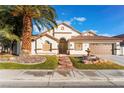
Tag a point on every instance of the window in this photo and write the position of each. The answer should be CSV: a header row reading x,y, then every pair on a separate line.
x,y
46,46
78,46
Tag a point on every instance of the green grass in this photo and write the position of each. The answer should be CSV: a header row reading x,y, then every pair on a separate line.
x,y
109,65
51,63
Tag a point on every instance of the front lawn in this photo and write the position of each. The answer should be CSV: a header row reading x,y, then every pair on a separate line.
x,y
108,65
51,63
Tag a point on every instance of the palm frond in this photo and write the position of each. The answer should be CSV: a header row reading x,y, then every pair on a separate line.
x,y
7,34
44,16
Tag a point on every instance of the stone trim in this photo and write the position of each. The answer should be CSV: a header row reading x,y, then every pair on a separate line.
x,y
54,49
70,27
71,49
94,40
63,32
39,49
42,49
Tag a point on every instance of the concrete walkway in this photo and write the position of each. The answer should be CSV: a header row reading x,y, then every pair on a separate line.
x,y
63,78
64,62
114,58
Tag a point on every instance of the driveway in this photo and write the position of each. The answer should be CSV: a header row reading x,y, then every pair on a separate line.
x,y
117,59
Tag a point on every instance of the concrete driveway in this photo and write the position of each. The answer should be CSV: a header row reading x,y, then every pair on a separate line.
x,y
114,58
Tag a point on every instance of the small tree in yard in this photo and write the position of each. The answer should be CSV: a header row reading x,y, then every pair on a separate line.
x,y
7,38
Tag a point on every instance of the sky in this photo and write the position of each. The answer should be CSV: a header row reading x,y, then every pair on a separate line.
x,y
104,20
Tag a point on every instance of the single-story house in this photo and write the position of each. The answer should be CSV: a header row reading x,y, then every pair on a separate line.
x,y
121,36
66,40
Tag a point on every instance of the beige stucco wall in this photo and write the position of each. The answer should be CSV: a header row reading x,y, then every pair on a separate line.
x,y
33,47
122,50
67,36
118,48
73,51
38,45
66,33
86,44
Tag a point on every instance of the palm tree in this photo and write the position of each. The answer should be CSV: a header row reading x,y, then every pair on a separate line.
x,y
42,16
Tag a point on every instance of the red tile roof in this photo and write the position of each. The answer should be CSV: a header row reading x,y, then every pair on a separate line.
x,y
36,37
80,37
120,36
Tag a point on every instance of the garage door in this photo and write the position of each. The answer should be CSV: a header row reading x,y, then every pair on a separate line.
x,y
104,49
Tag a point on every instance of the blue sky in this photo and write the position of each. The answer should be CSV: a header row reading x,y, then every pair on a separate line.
x,y
104,20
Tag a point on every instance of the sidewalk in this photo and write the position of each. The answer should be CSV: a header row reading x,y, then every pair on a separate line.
x,y
63,78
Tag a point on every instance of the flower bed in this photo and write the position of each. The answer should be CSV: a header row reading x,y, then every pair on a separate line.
x,y
25,59
31,59
50,63
77,62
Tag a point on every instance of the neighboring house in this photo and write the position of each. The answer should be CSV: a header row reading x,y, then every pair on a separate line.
x,y
121,43
67,40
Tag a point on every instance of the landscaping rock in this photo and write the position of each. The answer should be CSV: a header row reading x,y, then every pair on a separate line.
x,y
31,59
25,59
92,59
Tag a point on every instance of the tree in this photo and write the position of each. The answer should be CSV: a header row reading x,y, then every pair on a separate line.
x,y
6,18
7,37
43,16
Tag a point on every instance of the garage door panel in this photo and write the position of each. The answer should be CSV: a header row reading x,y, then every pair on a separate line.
x,y
101,48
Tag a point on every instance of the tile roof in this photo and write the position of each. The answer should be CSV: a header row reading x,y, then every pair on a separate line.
x,y
120,36
80,37
36,37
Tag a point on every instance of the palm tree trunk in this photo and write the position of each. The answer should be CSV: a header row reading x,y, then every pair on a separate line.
x,y
26,35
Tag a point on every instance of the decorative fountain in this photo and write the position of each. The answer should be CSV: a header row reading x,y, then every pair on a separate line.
x,y
88,52
90,59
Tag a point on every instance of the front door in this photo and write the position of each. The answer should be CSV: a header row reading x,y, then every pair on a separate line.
x,y
63,46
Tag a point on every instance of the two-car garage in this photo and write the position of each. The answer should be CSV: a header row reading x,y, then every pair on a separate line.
x,y
98,45
101,48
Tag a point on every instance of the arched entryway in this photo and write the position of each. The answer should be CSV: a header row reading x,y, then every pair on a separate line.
x,y
63,46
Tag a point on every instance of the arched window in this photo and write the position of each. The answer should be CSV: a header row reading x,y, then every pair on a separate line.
x,y
47,46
